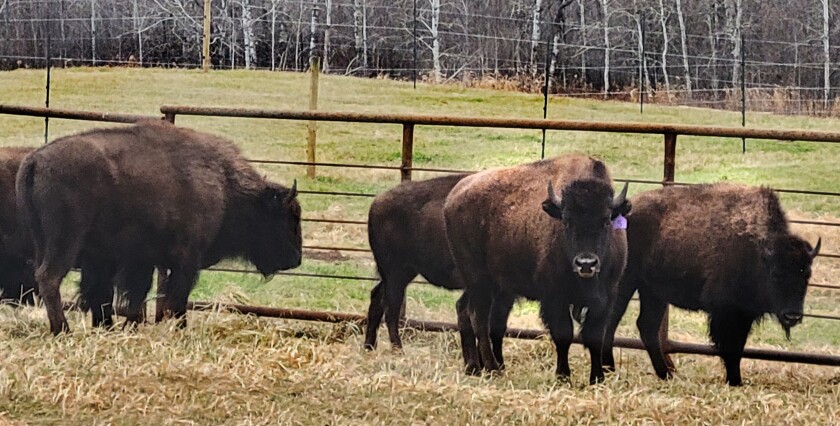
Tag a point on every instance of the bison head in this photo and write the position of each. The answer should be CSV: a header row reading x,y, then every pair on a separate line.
x,y
790,261
586,208
277,237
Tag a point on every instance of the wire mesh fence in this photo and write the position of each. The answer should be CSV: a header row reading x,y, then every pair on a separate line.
x,y
689,54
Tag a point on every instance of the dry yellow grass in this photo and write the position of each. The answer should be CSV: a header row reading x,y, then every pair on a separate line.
x,y
228,369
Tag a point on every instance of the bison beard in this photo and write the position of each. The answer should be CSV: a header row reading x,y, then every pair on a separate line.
x,y
508,238
150,195
723,249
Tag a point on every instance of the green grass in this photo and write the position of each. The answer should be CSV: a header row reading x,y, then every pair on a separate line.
x,y
385,381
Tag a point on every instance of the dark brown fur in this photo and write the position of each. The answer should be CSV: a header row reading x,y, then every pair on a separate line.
x,y
17,277
407,235
723,249
503,239
145,196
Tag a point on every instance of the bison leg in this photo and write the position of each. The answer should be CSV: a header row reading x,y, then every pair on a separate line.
x,y
178,287
395,285
499,314
592,335
560,327
137,281
49,281
651,314
97,291
617,308
465,329
160,300
375,312
729,331
481,303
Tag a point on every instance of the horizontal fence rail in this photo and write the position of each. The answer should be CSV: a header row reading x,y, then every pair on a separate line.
x,y
511,123
408,121
670,346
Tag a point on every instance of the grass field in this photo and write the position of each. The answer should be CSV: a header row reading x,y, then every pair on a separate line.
x,y
226,369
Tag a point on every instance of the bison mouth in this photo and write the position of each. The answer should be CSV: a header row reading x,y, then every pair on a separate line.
x,y
586,274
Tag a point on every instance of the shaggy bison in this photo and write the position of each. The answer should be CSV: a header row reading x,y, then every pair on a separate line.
x,y
407,236
17,278
724,249
507,236
145,196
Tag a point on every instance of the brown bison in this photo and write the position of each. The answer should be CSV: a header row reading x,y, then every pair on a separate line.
x,y
407,235
145,196
17,277
723,249
506,236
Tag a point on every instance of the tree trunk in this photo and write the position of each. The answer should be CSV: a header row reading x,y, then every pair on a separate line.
x,y
606,23
325,61
360,31
583,39
826,56
663,21
435,39
93,31
535,36
273,34
248,36
138,31
733,23
686,72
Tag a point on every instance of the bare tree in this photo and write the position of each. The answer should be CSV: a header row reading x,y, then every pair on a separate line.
x,y
663,21
325,63
605,13
360,31
686,70
248,34
93,31
826,55
535,36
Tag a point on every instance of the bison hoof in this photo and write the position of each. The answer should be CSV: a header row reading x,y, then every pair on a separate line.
x,y
473,369
370,347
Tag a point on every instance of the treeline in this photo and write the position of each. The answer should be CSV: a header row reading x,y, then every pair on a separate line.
x,y
692,49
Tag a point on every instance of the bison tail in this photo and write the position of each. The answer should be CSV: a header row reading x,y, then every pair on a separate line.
x,y
27,212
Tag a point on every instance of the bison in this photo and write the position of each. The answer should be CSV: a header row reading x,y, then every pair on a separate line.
x,y
723,249
17,277
507,237
407,236
149,195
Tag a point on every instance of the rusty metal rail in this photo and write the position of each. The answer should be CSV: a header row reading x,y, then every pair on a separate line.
x,y
670,346
513,123
108,117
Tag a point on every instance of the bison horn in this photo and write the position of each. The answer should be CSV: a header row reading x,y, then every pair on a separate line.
x,y
555,199
816,250
618,201
292,192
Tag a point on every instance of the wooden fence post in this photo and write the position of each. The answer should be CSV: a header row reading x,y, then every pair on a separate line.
x,y
407,151
315,70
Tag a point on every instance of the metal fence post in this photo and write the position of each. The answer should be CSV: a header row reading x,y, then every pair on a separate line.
x,y
407,151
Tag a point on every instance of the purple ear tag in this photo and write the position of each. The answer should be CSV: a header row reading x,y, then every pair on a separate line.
x,y
620,222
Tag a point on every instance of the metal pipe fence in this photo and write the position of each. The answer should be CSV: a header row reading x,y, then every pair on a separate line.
x,y
408,123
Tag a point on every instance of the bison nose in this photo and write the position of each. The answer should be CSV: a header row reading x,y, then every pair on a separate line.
x,y
792,317
587,265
